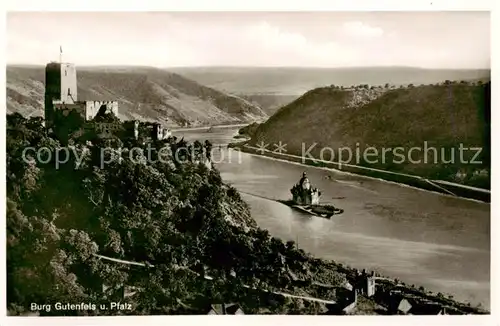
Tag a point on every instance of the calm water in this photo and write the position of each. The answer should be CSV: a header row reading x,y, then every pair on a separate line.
x,y
420,237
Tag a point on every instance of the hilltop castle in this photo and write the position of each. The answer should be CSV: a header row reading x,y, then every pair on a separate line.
x,y
61,93
66,116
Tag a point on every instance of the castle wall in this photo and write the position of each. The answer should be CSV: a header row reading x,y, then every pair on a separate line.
x,y
87,109
67,118
66,108
315,198
92,108
307,198
107,129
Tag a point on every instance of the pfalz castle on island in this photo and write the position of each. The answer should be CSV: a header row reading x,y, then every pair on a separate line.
x,y
62,107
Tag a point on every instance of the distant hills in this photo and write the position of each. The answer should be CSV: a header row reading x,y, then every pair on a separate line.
x,y
297,81
270,103
143,93
444,116
275,87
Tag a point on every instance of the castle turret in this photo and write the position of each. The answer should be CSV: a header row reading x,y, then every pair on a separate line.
x,y
304,194
306,185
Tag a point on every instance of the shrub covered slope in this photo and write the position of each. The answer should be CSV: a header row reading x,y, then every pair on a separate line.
x,y
177,216
443,116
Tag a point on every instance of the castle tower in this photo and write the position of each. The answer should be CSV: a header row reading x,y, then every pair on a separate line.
x,y
60,85
157,131
370,286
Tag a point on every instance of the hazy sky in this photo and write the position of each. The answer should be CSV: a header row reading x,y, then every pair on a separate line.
x,y
326,39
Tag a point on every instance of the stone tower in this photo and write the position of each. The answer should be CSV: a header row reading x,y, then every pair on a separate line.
x,y
60,86
370,286
157,131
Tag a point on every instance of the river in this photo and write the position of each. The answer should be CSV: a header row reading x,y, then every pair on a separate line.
x,y
420,237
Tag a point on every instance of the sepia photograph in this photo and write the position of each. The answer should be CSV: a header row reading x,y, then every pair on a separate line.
x,y
248,163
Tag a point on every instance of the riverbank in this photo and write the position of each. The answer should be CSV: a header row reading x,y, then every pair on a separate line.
x,y
207,127
439,186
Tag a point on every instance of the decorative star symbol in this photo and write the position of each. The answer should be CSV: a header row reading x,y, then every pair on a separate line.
x,y
280,147
262,147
